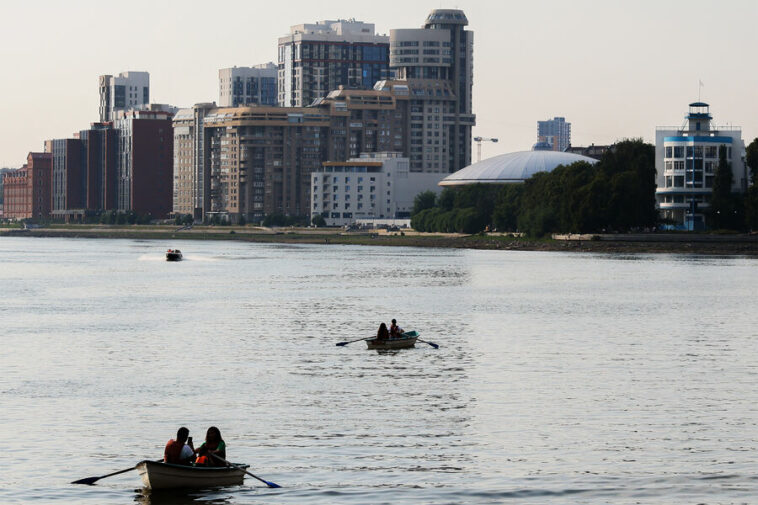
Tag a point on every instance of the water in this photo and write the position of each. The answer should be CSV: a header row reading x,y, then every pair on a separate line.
x,y
561,378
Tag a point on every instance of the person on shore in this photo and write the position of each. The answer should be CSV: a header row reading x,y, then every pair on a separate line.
x,y
214,445
383,333
395,330
178,451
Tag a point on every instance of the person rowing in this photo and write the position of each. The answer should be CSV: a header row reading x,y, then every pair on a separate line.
x,y
214,445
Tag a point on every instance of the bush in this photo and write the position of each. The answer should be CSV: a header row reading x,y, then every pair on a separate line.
x,y
318,221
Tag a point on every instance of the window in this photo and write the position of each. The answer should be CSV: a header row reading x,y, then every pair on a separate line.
x,y
678,151
669,151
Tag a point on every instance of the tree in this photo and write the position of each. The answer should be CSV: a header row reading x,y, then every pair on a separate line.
x,y
751,207
723,207
423,201
751,159
318,221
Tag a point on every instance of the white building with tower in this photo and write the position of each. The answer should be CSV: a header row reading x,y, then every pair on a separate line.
x,y
686,160
127,90
374,186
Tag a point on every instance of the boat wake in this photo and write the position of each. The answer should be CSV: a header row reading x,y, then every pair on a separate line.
x,y
152,257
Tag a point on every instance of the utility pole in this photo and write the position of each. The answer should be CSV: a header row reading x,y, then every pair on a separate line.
x,y
479,141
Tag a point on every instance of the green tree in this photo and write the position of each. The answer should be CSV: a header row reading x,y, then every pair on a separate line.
x,y
318,221
751,159
507,207
723,207
423,201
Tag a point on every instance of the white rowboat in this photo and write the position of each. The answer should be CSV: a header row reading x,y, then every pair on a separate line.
x,y
157,475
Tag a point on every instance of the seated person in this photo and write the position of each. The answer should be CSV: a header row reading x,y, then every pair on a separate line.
x,y
214,445
382,334
177,451
395,330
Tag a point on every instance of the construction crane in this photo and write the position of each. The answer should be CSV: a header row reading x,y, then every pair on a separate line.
x,y
479,141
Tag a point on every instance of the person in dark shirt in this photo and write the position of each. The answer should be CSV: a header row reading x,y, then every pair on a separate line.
x,y
382,334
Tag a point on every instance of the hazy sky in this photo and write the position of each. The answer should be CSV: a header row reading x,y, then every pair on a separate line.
x,y
613,69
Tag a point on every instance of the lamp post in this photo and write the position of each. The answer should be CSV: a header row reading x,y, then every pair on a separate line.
x,y
479,141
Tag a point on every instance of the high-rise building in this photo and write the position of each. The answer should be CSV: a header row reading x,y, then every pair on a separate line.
x,y
127,90
26,191
686,161
191,187
315,59
435,65
100,145
145,162
255,85
556,132
69,178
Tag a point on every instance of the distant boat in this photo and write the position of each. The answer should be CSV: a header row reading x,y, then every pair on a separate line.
x,y
404,341
173,255
158,475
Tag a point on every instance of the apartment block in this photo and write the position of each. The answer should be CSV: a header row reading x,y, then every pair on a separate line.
x,y
26,191
317,58
373,186
69,178
555,132
127,90
145,162
257,85
435,64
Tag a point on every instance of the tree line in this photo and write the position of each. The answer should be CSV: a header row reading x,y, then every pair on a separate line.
x,y
615,194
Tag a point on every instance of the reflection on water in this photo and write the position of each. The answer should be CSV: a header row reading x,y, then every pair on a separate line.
x,y
559,378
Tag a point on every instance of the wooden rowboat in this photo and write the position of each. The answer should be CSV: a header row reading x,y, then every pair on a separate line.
x,y
404,341
158,475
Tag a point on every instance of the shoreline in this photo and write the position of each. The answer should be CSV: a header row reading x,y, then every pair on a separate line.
x,y
653,243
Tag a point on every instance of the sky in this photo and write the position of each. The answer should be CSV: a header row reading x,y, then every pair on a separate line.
x,y
613,69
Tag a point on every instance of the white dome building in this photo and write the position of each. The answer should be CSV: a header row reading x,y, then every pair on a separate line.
x,y
512,167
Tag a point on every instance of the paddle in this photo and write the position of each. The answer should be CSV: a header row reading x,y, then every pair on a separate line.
x,y
269,484
430,343
91,480
351,341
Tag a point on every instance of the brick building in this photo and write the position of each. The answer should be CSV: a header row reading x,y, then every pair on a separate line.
x,y
26,191
145,162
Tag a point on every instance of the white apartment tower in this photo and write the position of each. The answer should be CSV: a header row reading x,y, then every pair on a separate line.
x,y
256,85
127,90
686,160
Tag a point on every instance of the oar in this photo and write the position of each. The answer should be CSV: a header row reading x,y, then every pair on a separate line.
x,y
269,484
91,480
430,343
351,341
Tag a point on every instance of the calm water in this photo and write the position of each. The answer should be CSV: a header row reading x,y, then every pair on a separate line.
x,y
561,378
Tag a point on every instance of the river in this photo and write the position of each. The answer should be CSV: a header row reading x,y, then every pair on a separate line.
x,y
560,377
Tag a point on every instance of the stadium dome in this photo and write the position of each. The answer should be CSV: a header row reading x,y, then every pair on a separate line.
x,y
512,167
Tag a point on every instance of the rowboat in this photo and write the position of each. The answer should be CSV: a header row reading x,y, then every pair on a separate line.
x,y
173,255
404,341
158,475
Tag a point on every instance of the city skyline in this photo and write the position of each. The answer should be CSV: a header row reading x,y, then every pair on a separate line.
x,y
615,71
